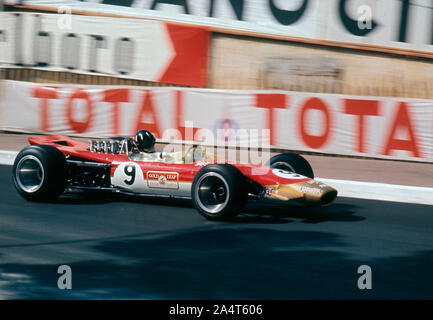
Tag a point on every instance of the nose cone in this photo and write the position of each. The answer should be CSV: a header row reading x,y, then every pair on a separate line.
x,y
328,197
311,193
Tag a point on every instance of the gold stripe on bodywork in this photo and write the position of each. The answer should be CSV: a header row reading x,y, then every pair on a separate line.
x,y
311,192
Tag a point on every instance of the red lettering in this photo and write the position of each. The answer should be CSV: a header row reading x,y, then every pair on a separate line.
x,y
147,108
79,126
45,93
271,102
402,120
361,108
314,141
116,96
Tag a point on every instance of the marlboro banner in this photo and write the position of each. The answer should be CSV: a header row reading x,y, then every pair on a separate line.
x,y
123,48
396,24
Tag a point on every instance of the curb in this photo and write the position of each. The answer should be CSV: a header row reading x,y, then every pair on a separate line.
x,y
7,157
381,191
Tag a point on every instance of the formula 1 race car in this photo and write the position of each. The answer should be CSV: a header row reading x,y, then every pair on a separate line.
x,y
56,163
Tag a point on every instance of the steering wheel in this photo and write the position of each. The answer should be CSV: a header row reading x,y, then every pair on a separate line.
x,y
194,153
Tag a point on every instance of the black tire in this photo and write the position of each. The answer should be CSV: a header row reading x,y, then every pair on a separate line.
x,y
40,173
292,162
218,191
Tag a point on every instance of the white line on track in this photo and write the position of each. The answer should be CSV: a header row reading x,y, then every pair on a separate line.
x,y
346,188
381,191
7,157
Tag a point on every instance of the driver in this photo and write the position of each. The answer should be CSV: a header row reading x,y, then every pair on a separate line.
x,y
145,141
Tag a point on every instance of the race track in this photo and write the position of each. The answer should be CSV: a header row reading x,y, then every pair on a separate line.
x,y
154,249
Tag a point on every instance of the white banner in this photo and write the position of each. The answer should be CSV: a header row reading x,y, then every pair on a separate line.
x,y
378,127
392,23
125,48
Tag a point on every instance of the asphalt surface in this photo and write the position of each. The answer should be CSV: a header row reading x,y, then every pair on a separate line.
x,y
128,248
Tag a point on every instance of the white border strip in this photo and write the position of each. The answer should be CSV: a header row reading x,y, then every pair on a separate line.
x,y
346,188
381,191
7,157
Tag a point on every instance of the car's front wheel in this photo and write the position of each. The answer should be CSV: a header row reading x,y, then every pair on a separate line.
x,y
218,191
40,173
292,162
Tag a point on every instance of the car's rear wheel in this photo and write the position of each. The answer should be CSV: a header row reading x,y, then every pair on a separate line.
x,y
40,173
292,162
218,191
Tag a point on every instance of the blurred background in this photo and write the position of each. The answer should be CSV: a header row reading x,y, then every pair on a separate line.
x,y
333,50
346,83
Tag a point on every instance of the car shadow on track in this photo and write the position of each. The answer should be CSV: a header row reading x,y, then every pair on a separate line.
x,y
342,212
98,197
260,212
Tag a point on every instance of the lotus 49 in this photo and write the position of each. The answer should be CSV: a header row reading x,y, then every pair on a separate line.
x,y
56,163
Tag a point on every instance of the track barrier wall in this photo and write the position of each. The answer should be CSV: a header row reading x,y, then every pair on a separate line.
x,y
377,127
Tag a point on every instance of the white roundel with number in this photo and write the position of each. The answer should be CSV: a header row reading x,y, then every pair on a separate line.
x,y
129,175
134,178
287,174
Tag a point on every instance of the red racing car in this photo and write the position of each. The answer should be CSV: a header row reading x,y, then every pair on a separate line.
x,y
56,163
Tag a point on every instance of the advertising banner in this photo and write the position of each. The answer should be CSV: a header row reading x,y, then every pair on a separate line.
x,y
378,127
402,24
123,48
